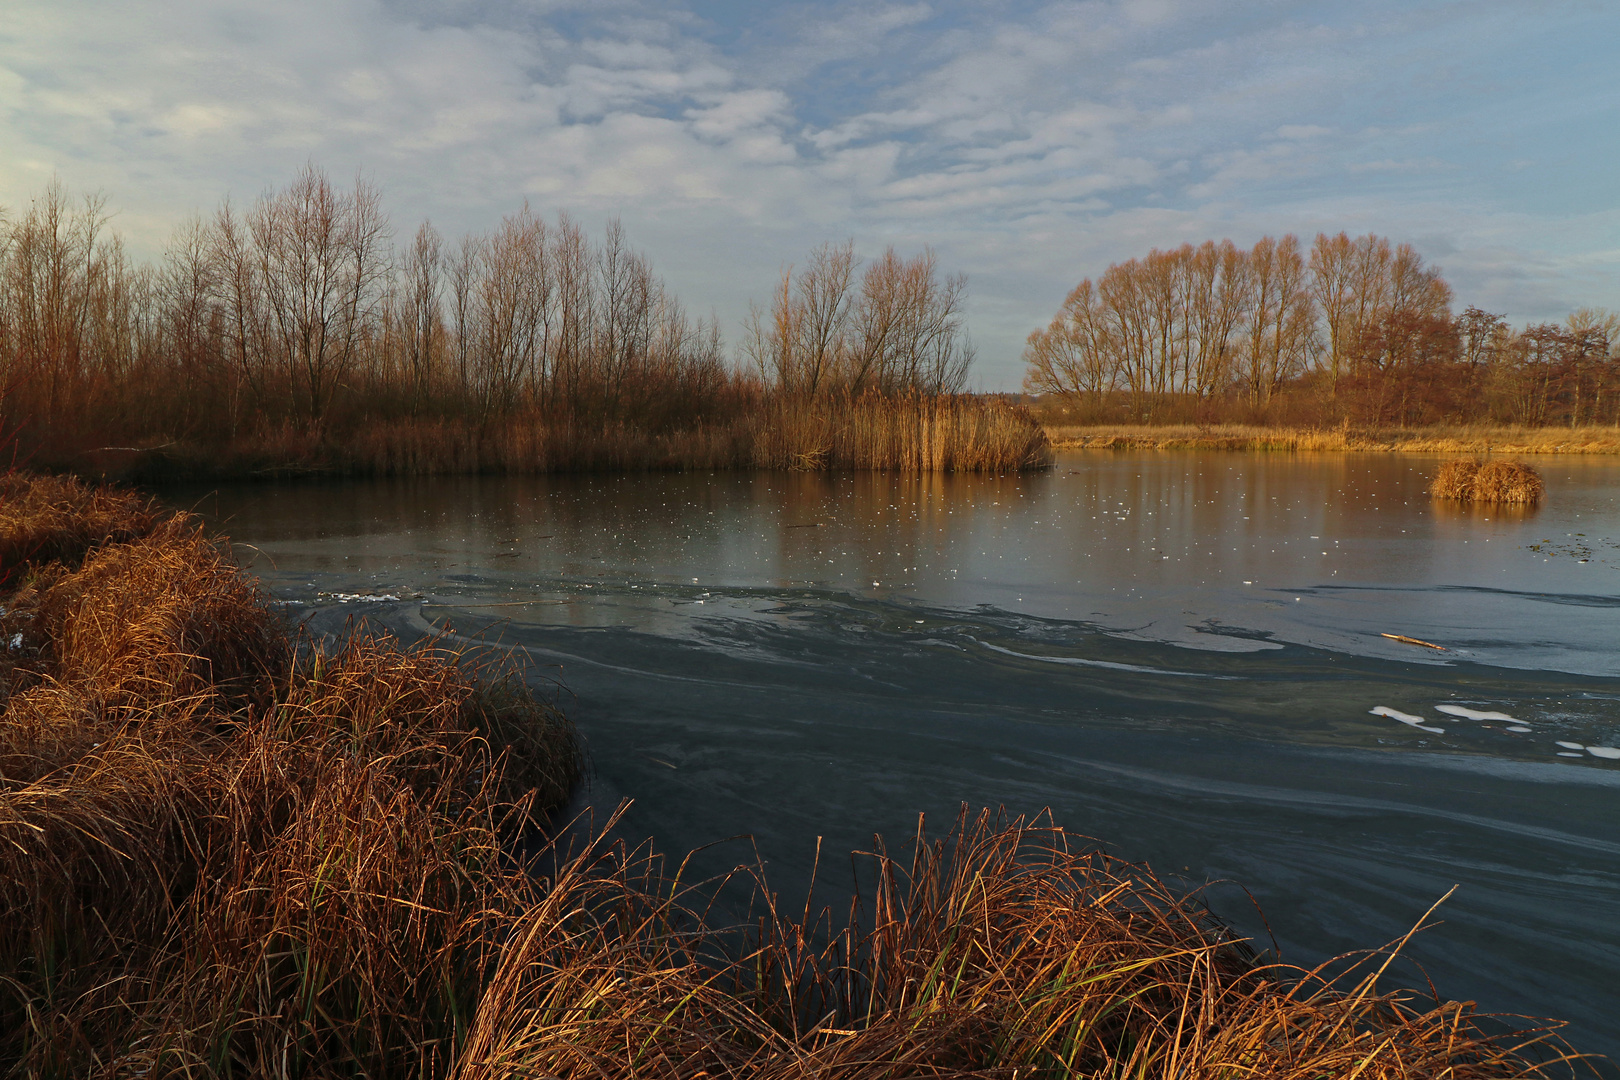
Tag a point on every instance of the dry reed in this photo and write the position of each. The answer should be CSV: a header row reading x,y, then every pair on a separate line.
x,y
1459,439
220,855
1005,951
58,519
1472,480
913,434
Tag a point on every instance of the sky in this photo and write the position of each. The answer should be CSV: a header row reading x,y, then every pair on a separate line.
x,y
1030,144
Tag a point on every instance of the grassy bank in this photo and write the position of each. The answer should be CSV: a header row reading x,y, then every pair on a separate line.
x,y
1590,439
911,434
223,855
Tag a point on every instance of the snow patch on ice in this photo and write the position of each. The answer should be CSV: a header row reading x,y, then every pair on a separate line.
x,y
1406,718
1476,714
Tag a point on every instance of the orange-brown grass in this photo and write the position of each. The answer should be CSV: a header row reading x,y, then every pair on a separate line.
x,y
45,519
1472,480
218,854
960,433
1006,950
1591,439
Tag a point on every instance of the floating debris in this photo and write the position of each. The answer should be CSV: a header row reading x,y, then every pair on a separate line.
x,y
1403,639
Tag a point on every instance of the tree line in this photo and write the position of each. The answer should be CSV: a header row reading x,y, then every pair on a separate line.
x,y
299,311
1357,328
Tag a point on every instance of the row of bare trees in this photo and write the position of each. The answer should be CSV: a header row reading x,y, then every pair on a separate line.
x,y
298,308
1359,326
299,312
898,331
1206,320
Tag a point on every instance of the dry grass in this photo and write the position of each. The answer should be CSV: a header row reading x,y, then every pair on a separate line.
x,y
223,856
1005,951
1450,440
58,519
1473,480
907,434
218,854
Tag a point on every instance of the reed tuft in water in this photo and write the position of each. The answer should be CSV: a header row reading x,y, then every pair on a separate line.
x,y
1473,480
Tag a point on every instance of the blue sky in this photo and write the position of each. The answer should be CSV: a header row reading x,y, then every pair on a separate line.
x,y
1030,144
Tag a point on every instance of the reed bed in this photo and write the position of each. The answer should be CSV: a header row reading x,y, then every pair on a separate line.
x,y
916,434
960,433
221,854
1473,480
1590,439
47,519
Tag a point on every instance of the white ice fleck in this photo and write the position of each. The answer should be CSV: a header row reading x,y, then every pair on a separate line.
x,y
1571,745
1566,753
1609,753
1521,730
16,641
1476,714
1406,718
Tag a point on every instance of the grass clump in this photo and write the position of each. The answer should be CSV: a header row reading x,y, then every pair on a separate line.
x,y
1474,480
1006,949
220,853
46,519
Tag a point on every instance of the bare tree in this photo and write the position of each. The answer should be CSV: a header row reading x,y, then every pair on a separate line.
x,y
321,262
804,341
423,274
1075,356
1281,317
55,257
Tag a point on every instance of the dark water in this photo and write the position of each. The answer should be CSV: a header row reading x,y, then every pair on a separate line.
x,y
1176,653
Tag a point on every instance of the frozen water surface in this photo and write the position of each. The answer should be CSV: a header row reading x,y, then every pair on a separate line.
x,y
1175,652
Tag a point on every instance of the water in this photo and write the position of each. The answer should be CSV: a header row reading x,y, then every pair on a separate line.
x,y
1178,653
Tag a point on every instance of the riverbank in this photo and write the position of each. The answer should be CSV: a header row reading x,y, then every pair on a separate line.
x,y
1430,440
915,434
227,855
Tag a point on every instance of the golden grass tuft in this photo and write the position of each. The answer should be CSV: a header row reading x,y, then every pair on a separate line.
x,y
220,854
46,519
1008,949
1473,480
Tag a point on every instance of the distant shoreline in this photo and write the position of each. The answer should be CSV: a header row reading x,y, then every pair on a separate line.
x,y
1591,439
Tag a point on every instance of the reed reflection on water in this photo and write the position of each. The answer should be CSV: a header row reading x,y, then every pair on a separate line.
x,y
1179,653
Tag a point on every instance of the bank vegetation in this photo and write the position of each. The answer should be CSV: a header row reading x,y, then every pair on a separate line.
x,y
294,334
224,853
